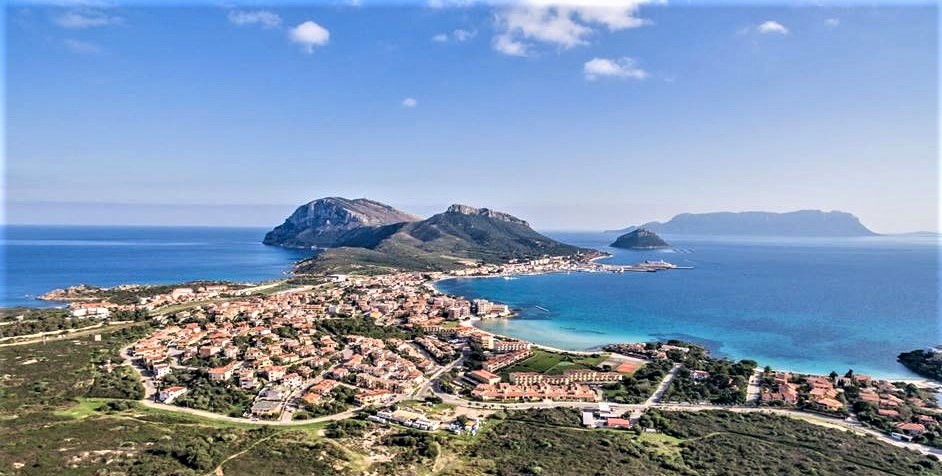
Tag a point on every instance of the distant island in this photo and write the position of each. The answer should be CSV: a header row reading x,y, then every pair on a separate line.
x,y
808,223
640,239
363,234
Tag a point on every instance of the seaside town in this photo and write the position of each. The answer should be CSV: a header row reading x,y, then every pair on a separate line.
x,y
380,344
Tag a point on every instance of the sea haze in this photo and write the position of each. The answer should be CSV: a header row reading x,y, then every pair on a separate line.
x,y
812,305
41,258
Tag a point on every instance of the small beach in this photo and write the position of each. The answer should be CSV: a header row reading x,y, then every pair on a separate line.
x,y
795,306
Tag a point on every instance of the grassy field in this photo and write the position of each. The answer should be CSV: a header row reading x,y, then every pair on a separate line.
x,y
546,362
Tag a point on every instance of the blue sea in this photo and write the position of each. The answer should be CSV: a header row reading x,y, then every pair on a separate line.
x,y
811,305
40,258
803,304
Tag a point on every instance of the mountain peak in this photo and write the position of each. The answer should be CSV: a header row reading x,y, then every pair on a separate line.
x,y
484,212
321,222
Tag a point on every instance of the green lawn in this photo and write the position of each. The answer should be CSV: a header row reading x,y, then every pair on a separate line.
x,y
546,362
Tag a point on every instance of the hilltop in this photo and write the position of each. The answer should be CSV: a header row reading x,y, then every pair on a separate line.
x,y
799,223
447,240
640,239
323,222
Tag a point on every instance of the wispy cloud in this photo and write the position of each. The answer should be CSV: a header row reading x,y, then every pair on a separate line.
x,y
565,25
86,19
771,27
309,35
458,36
264,18
624,68
410,102
832,22
82,47
506,45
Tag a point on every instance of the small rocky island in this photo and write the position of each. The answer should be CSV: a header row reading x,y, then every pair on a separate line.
x,y
640,239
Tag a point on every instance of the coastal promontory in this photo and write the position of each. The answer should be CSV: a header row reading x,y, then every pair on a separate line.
x,y
640,239
458,236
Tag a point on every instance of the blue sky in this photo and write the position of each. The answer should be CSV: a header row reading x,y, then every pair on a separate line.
x,y
570,117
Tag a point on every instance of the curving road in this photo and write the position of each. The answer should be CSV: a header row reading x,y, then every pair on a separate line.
x,y
654,401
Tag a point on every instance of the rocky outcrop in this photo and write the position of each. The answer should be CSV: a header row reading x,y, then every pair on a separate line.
x,y
324,222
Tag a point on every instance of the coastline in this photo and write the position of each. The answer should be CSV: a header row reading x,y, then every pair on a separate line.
x,y
476,322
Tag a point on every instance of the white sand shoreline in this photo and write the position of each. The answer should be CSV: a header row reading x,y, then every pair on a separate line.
x,y
918,381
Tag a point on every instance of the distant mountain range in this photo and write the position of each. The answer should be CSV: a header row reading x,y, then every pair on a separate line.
x,y
361,233
800,223
640,239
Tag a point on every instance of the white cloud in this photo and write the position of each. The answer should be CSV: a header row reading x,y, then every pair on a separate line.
x,y
410,102
564,25
772,28
459,36
264,18
463,35
510,47
833,22
618,68
82,47
86,19
309,35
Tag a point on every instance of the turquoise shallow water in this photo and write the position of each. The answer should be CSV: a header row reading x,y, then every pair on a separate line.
x,y
812,305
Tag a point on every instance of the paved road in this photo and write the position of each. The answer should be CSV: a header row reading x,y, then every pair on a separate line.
x,y
66,334
636,409
754,389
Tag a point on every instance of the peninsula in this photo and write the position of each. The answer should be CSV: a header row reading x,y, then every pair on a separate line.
x,y
377,238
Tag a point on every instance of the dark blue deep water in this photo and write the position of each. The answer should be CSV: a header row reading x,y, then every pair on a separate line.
x,y
811,305
40,258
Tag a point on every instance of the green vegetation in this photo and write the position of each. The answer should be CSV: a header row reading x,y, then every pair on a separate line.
x,y
50,427
438,243
293,453
133,294
415,448
341,399
211,395
637,387
346,428
549,442
544,361
755,443
27,321
48,375
927,364
364,326
726,381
